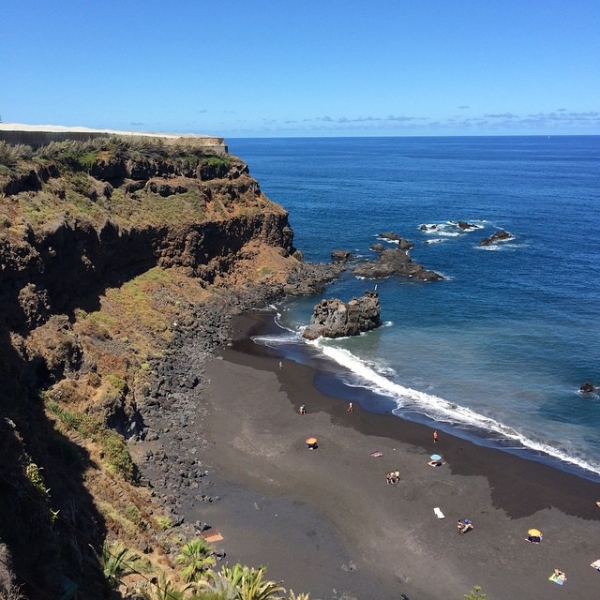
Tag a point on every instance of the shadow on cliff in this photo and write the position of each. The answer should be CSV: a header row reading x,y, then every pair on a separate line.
x,y
48,519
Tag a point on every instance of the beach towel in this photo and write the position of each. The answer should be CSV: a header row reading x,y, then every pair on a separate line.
x,y
212,536
560,579
438,513
376,454
596,565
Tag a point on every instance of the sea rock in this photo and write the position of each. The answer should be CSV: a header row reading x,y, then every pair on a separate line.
x,y
587,388
394,262
333,318
393,237
465,226
499,236
340,255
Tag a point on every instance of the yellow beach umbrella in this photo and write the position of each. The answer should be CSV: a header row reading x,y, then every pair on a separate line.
x,y
535,532
311,441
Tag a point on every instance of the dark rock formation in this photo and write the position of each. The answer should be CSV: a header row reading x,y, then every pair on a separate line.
x,y
465,226
333,318
394,262
340,255
393,237
499,236
587,388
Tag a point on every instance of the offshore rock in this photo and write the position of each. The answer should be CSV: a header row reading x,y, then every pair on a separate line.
x,y
587,388
394,262
394,237
333,318
499,236
341,255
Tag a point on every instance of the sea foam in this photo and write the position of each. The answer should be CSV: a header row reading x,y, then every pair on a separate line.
x,y
438,409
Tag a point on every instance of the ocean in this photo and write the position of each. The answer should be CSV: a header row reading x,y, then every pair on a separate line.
x,y
497,351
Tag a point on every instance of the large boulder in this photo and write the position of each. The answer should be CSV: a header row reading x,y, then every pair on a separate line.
x,y
333,318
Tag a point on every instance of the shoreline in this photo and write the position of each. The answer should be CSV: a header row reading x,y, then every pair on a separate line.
x,y
328,384
325,520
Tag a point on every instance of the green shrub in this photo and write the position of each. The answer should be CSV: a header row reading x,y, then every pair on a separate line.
x,y
116,382
133,514
117,457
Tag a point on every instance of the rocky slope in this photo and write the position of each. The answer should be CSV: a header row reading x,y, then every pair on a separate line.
x,y
111,253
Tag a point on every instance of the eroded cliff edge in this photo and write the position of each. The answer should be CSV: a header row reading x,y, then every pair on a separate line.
x,y
112,251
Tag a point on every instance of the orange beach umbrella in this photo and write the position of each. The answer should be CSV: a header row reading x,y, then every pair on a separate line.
x,y
311,441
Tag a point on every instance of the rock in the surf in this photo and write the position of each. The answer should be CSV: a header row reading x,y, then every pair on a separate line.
x,y
587,388
499,236
394,237
333,318
394,261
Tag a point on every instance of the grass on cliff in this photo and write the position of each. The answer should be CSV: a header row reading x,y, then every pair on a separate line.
x,y
59,184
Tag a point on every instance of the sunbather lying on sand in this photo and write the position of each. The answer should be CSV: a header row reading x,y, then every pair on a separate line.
x,y
464,525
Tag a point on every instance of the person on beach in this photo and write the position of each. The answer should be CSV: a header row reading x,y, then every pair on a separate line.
x,y
435,437
464,525
350,407
435,463
303,409
393,477
280,366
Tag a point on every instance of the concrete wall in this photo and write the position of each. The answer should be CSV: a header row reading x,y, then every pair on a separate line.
x,y
29,135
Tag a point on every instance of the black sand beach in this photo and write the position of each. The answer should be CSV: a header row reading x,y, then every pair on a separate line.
x,y
324,521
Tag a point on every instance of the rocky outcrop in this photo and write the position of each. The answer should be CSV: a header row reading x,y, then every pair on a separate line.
x,y
394,262
333,318
465,226
393,237
341,255
587,388
499,236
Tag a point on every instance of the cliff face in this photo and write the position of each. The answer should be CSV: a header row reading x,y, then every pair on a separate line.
x,y
109,250
69,230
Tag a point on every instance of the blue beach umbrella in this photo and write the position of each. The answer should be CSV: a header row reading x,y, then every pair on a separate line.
x,y
435,457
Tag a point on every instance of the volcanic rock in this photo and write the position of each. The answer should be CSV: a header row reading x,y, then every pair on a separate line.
x,y
394,262
333,318
499,236
393,237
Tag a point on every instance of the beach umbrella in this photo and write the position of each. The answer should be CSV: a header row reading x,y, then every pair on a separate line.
x,y
311,442
435,457
535,532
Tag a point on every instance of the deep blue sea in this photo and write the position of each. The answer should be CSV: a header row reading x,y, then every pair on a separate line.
x,y
497,351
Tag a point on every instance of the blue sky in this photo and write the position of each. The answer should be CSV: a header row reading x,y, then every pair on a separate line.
x,y
267,68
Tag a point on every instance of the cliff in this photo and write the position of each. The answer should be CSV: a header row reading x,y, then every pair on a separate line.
x,y
111,250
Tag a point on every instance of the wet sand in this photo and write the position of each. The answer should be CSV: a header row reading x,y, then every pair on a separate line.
x,y
324,521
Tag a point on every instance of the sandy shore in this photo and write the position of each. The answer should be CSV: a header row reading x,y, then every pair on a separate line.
x,y
324,521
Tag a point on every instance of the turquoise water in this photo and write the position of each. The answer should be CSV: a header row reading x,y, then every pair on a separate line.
x,y
498,350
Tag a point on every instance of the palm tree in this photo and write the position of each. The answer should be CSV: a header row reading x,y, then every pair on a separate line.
x,y
299,596
165,590
475,594
116,562
196,556
244,583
